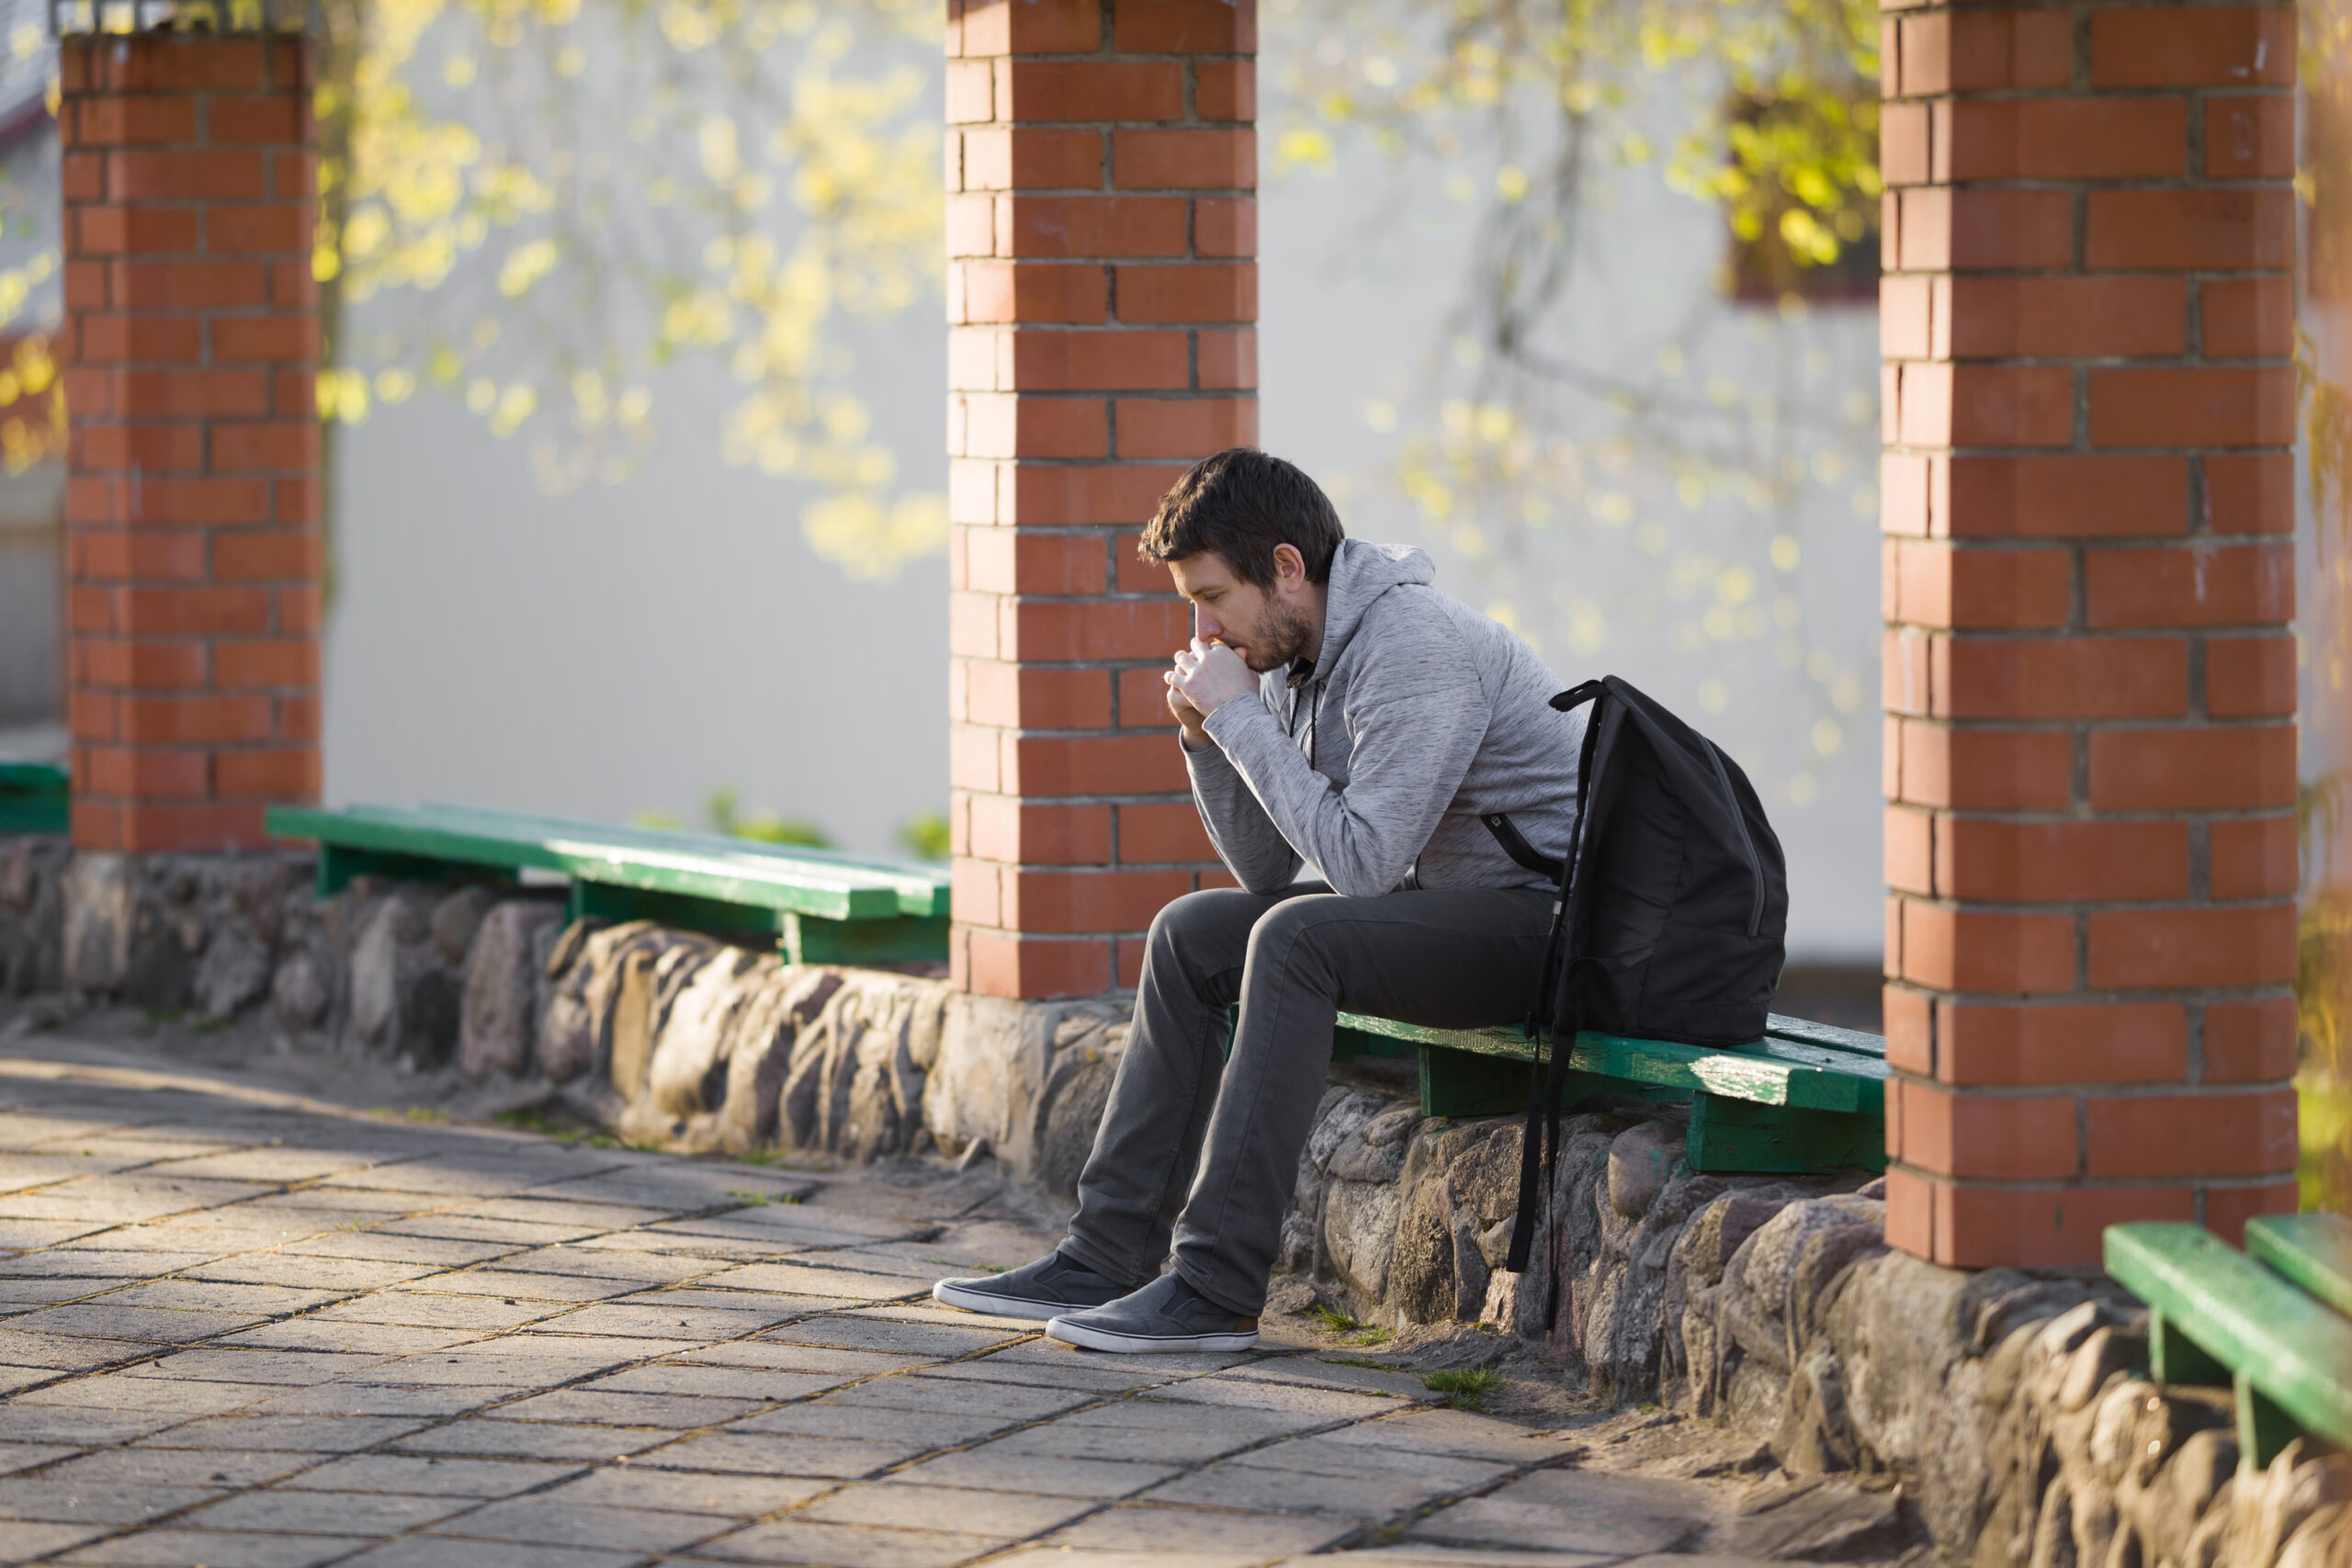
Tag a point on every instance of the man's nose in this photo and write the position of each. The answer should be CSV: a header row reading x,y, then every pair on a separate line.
x,y
1204,625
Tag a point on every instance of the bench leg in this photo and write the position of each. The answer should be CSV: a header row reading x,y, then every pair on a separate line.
x,y
2263,1427
906,939
1471,1083
1739,1135
612,901
339,865
2173,1357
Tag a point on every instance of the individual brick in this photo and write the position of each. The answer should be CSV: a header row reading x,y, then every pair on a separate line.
x,y
1985,770
2220,46
2190,585
1978,949
2183,1135
1089,900
2057,1042
2008,1137
2248,318
2250,137
2006,862
1004,965
2062,138
2234,946
2174,229
2250,1041
2043,678
2253,857
2244,768
2200,407
2249,677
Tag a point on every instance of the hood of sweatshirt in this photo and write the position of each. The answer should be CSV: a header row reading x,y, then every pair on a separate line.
x,y
1360,572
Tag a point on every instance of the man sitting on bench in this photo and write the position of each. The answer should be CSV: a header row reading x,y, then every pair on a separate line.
x,y
1342,715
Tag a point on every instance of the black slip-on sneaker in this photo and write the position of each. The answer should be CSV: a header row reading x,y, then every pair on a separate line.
x,y
1052,1285
1166,1316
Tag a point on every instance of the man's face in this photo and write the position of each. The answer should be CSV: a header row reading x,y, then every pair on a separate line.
x,y
1265,627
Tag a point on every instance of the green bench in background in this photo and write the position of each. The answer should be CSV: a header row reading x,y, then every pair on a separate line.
x,y
823,907
1806,1096
34,798
2270,1322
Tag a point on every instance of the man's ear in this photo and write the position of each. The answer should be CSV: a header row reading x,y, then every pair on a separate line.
x,y
1290,567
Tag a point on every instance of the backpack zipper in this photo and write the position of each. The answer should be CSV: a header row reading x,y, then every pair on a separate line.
x,y
1747,844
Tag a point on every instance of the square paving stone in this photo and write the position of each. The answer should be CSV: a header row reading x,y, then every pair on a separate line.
x,y
15,1457
524,1286
669,1323
1138,1527
122,1391
316,1434
48,1293
1178,1448
1081,1376
337,1274
636,1486
100,1320
456,1228
1560,1510
224,1364
782,1356
715,1382
358,1398
1321,1404
967,1398
431,1477
93,1264
1227,1484
178,1467
921,1429
29,1233
433,1551
361,1339
881,1334
800,1279
77,1424
846,1546
418,1308
216,1295
351,1512
178,1547
545,1209
548,1522
63,1353
1457,1432
760,1454
384,1246
1317,1456
993,1470
642,1269
615,1409
1154,1414
901,1507
39,1540
70,1502
529,1440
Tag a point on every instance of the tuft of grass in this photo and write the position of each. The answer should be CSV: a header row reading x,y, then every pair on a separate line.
x,y
426,1113
1330,1319
1465,1390
750,1198
1359,1361
1376,1336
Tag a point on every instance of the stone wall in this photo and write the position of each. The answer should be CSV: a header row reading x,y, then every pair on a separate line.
x,y
2006,1404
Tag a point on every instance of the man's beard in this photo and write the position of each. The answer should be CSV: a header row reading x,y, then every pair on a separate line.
x,y
1282,638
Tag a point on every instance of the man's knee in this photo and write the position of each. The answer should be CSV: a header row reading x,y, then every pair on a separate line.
x,y
1212,911
1293,929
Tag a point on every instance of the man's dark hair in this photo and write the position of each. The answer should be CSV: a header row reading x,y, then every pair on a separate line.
x,y
1240,504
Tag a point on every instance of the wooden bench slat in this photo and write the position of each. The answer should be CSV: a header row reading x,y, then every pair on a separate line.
x,y
2313,1251
703,867
2281,1345
1805,1031
1771,1071
35,798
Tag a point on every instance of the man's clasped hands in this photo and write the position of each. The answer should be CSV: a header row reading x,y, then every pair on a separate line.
x,y
1206,676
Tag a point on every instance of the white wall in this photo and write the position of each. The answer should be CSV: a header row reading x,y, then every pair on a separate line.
x,y
631,647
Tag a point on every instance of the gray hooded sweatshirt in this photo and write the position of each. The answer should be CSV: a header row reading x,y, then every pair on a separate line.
x,y
1374,764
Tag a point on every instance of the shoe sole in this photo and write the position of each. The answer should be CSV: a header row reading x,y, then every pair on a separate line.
x,y
1090,1339
958,1293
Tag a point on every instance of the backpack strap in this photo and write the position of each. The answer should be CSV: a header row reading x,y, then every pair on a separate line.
x,y
1538,1152
1515,845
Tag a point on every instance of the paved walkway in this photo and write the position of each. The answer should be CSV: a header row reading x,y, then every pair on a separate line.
x,y
245,1331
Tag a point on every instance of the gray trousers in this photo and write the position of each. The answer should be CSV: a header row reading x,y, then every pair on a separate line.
x,y
1205,1154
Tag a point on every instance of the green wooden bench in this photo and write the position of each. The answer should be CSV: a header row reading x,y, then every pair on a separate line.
x,y
34,798
1806,1096
823,907
2270,1321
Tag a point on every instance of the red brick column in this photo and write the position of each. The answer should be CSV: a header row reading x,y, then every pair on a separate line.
x,y
2090,682
1100,226
192,494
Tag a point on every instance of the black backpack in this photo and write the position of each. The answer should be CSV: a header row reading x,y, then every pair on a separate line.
x,y
1673,907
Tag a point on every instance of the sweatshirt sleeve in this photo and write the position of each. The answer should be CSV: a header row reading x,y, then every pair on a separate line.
x,y
1253,848
1416,716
